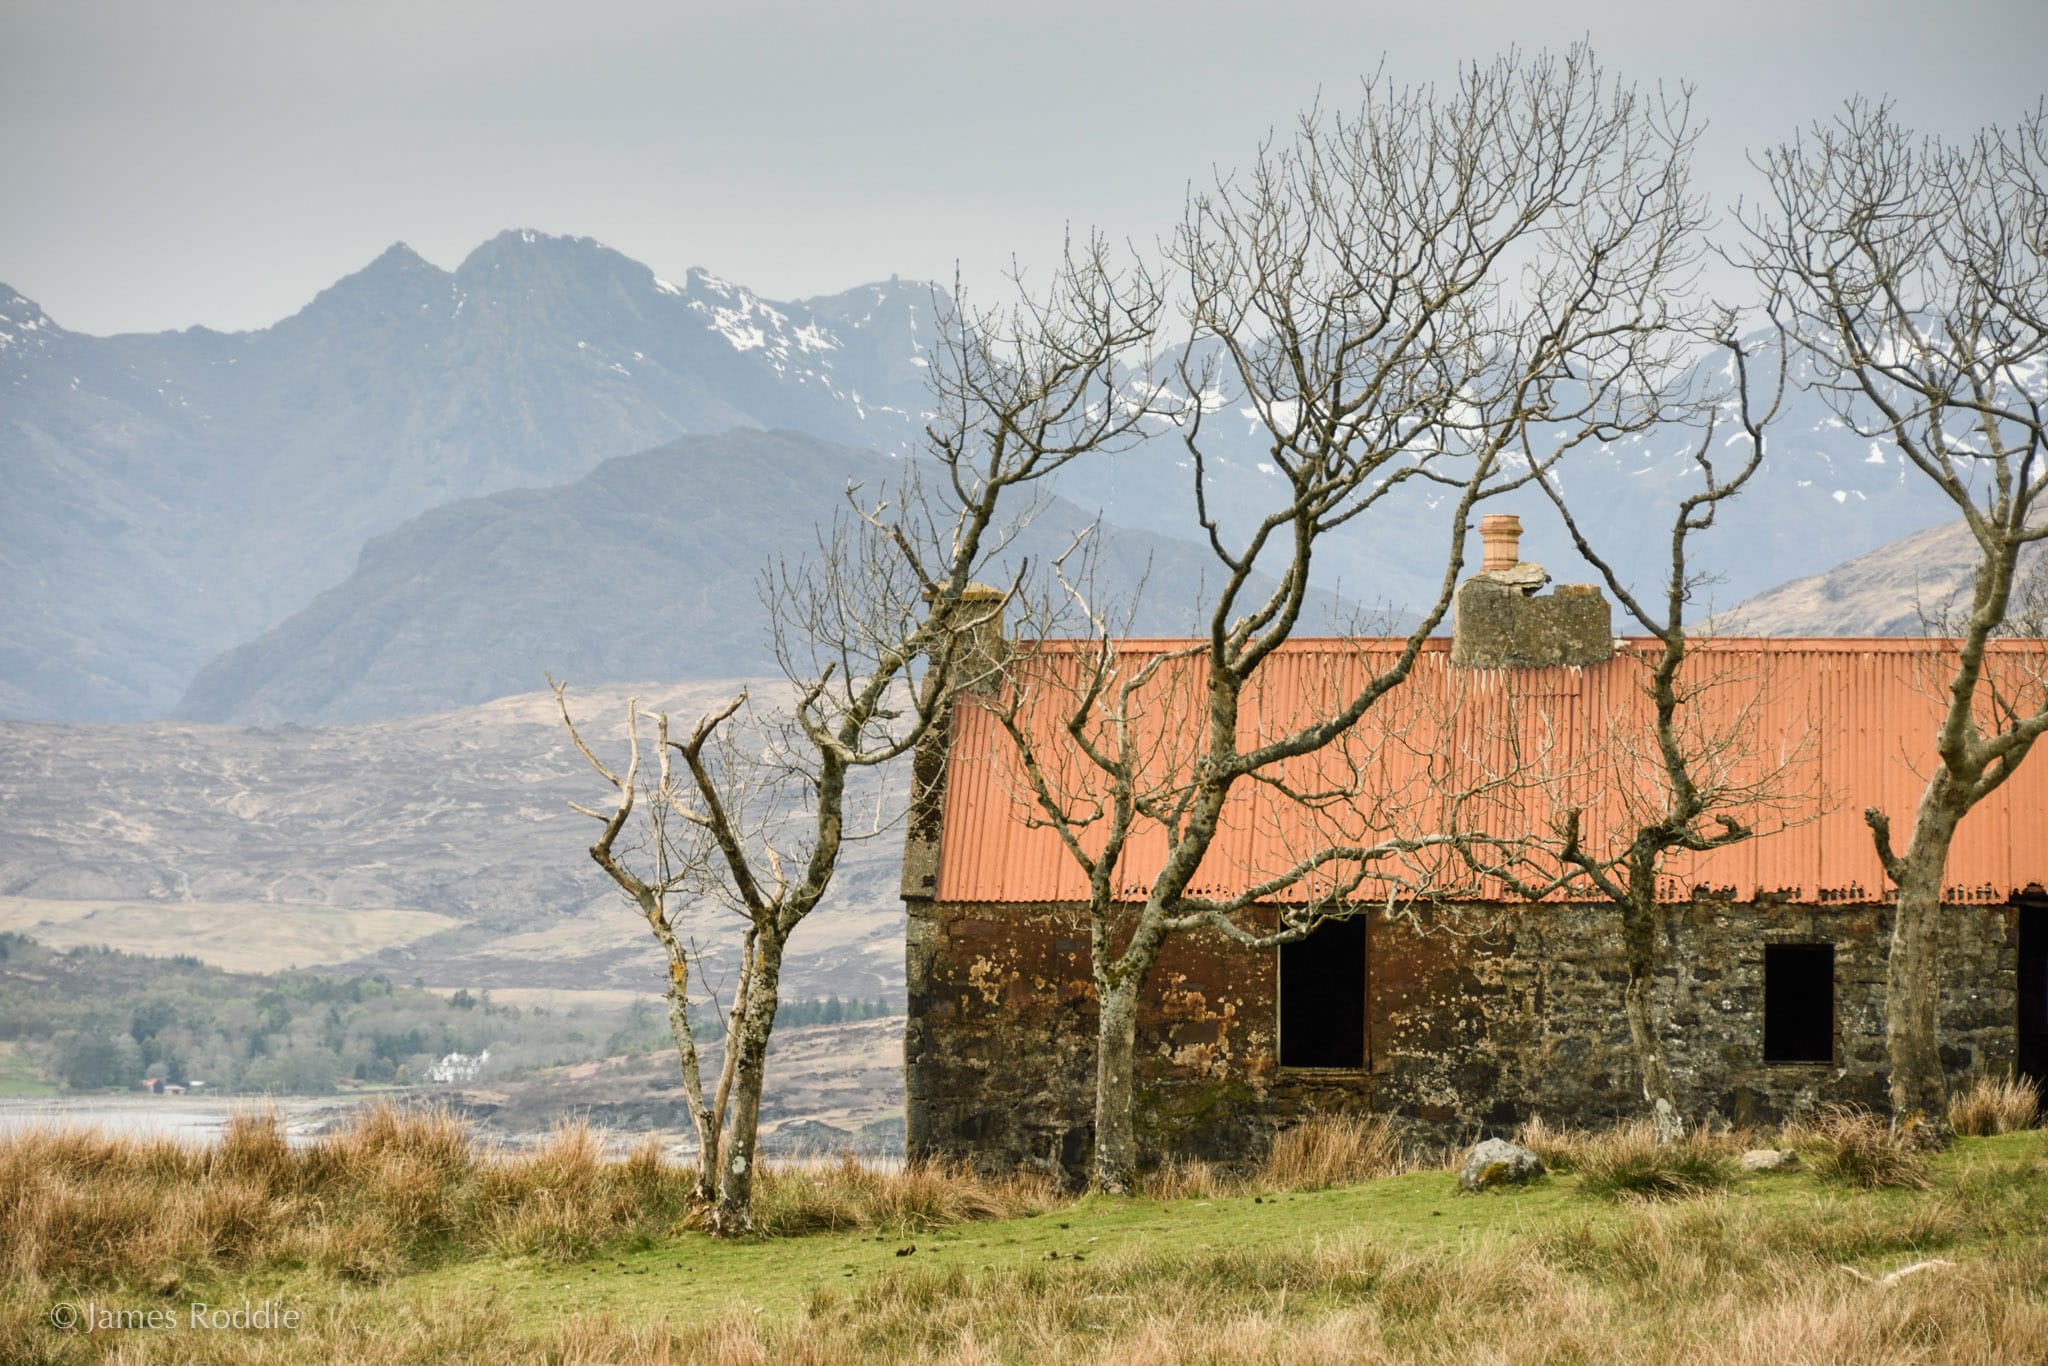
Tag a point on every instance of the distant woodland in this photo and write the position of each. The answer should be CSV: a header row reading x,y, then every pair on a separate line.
x,y
95,1019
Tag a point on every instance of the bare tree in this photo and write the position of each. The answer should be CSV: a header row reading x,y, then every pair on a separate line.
x,y
1688,777
1914,274
1398,296
876,632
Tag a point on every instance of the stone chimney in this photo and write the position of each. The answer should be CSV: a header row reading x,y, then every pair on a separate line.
x,y
983,650
1500,619
977,666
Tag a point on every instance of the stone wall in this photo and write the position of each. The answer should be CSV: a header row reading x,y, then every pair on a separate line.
x,y
1497,624
1474,1021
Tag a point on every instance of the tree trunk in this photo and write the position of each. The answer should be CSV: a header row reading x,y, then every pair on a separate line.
x,y
1119,985
701,1116
1116,1040
1912,999
1639,939
749,1042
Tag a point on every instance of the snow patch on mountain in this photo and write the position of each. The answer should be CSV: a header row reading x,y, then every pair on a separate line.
x,y
23,322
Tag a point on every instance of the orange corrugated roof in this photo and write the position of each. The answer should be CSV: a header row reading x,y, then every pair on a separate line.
x,y
1804,733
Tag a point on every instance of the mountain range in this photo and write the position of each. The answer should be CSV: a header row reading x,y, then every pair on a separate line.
x,y
178,503
173,495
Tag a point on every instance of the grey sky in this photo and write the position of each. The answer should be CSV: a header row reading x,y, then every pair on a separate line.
x,y
218,163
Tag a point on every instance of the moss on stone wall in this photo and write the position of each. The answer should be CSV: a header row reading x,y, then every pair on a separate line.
x,y
1467,1032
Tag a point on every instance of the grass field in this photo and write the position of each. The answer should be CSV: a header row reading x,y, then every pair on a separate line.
x,y
17,1078
400,1244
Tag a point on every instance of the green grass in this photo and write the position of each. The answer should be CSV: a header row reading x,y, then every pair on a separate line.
x,y
17,1078
1417,1212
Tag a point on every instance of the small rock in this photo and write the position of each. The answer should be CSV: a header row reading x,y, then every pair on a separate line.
x,y
1770,1159
1497,1162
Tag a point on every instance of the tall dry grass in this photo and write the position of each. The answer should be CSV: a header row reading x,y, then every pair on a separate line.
x,y
1329,1150
1856,1147
850,1194
1319,1152
1628,1161
390,1191
396,1190
1995,1105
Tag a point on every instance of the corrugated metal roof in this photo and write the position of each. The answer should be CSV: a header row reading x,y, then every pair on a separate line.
x,y
1801,734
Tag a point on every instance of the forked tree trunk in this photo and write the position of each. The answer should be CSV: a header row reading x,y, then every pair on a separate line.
x,y
749,1042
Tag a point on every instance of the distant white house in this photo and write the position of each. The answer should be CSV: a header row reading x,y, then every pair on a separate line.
x,y
458,1067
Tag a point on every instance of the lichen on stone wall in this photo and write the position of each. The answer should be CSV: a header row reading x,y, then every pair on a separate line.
x,y
1467,1034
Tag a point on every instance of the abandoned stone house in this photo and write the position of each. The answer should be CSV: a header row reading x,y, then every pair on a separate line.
x,y
1468,1009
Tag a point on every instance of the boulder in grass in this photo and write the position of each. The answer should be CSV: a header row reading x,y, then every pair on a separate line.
x,y
1496,1163
1770,1159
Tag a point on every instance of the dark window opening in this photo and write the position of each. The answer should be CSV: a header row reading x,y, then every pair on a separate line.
x,y
1322,997
1799,1003
2033,994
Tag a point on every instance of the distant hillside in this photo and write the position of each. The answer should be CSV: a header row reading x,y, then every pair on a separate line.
x,y
650,566
439,847
1894,590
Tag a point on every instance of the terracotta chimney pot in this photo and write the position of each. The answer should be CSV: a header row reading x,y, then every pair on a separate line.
x,y
1501,534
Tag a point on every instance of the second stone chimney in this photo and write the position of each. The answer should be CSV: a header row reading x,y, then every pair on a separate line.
x,y
1499,620
983,650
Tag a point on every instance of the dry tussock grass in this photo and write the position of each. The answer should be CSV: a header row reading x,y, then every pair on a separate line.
x,y
1939,1317
1628,1161
1859,1148
1192,1179
1319,1152
1347,1302
850,1194
1995,1105
1329,1150
1722,1248
1560,1149
396,1190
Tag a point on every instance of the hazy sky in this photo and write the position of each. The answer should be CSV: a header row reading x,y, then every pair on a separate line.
x,y
165,164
